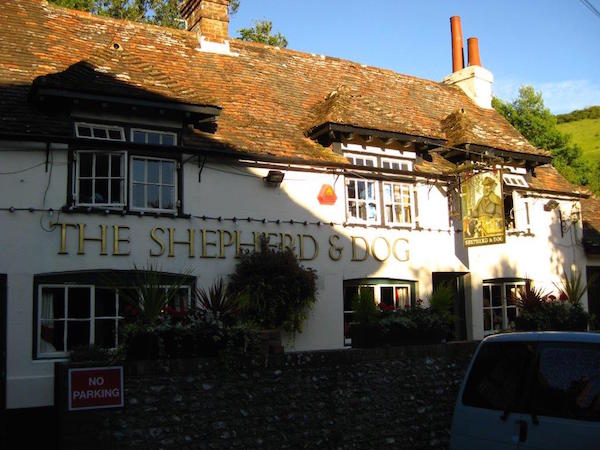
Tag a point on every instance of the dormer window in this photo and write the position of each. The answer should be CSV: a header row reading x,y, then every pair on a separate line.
x,y
100,178
101,132
153,137
514,180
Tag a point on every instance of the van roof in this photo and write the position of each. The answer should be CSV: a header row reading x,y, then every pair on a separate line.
x,y
546,336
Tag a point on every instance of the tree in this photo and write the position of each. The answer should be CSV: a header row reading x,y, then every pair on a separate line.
x,y
261,32
537,124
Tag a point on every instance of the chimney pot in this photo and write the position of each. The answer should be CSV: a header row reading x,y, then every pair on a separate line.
x,y
458,59
473,49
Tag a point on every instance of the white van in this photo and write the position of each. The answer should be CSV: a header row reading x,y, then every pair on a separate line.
x,y
531,391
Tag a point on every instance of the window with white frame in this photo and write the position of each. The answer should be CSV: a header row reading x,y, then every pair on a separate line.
x,y
101,132
388,295
499,305
397,203
362,199
71,316
153,184
100,178
396,164
153,137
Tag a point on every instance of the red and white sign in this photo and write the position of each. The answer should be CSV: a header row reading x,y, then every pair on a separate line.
x,y
95,388
327,195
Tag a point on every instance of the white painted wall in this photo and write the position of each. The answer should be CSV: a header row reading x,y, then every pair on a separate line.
x,y
30,247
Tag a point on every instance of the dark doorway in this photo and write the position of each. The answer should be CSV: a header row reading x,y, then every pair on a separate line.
x,y
3,299
455,280
593,277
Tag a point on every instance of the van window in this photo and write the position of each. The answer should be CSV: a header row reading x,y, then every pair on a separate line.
x,y
568,382
497,377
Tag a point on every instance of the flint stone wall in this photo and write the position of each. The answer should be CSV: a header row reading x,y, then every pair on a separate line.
x,y
377,398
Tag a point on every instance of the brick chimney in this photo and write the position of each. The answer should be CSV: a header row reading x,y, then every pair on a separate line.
x,y
210,20
474,80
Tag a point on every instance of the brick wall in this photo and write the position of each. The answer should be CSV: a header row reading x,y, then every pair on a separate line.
x,y
383,398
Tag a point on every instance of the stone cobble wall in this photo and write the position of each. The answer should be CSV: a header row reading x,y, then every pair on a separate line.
x,y
381,398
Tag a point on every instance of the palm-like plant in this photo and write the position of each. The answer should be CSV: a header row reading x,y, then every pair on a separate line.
x,y
572,286
219,303
152,291
529,298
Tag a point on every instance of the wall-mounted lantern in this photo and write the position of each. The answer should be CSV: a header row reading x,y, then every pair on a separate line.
x,y
274,177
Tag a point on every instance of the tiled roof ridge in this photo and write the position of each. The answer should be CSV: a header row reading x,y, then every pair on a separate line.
x,y
239,42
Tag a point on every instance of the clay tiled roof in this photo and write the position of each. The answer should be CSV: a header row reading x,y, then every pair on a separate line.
x,y
590,209
548,179
269,97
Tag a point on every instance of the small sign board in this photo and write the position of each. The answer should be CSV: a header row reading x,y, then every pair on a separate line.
x,y
96,388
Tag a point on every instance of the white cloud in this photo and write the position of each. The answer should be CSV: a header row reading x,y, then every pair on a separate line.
x,y
559,96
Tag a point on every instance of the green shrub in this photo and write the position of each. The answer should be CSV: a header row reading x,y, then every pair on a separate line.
x,y
274,289
365,309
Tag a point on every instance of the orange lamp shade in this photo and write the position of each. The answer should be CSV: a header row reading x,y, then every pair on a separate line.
x,y
327,195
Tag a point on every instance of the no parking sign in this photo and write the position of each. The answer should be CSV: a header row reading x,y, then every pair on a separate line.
x,y
95,388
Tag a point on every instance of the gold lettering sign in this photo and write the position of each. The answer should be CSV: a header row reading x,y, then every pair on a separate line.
x,y
215,243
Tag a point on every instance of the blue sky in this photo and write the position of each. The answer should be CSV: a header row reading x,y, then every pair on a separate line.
x,y
553,45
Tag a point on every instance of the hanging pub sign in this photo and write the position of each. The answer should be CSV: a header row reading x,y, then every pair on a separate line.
x,y
482,209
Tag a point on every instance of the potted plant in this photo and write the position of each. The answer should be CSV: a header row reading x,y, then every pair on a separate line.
x,y
275,292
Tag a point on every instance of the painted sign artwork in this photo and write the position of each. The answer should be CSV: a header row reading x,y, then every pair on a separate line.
x,y
482,209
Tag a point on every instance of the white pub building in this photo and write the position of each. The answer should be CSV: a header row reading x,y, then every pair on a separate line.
x,y
126,145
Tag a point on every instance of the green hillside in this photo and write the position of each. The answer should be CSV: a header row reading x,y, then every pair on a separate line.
x,y
586,134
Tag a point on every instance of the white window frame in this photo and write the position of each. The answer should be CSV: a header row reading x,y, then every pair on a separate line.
x,y
91,319
160,184
356,181
501,310
377,298
109,178
515,180
106,128
402,164
393,204
159,132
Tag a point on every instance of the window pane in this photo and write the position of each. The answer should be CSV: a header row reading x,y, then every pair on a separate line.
x,y
138,196
569,382
79,303
78,334
139,168
105,302
402,297
361,190
85,191
352,209
362,211
115,135
105,333
398,214
167,197
387,193
486,296
84,131
101,164
385,165
153,169
389,217
369,163
85,164
53,303
153,138
139,137
495,379
487,320
101,194
351,189
496,295
100,133
52,336
387,295
168,171
372,211
371,190
115,166
115,191
168,139
152,191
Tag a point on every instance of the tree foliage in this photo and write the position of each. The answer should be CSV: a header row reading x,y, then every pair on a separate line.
x,y
593,112
528,114
261,32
